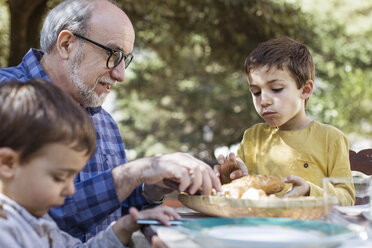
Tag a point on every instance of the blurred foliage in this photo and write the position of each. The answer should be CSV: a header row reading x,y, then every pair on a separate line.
x,y
4,33
343,57
186,90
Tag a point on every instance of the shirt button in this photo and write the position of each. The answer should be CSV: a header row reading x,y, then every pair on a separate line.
x,y
306,165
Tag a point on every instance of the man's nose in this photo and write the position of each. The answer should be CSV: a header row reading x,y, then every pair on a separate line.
x,y
118,73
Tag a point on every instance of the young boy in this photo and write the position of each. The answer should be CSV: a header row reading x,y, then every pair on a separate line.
x,y
45,140
290,145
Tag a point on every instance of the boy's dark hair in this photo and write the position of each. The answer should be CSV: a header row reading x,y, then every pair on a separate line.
x,y
281,52
36,113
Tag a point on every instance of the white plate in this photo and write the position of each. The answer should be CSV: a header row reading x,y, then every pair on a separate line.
x,y
264,232
353,210
367,215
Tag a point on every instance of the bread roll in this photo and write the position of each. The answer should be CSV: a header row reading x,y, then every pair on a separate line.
x,y
269,184
253,194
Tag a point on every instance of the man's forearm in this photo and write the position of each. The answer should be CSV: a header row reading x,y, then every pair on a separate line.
x,y
128,176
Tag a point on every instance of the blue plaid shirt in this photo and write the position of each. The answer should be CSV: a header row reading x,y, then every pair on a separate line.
x,y
95,203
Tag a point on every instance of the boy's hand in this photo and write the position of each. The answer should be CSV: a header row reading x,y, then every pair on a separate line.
x,y
157,243
300,186
127,224
230,168
2,214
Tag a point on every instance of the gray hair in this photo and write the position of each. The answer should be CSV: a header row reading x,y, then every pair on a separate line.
x,y
72,15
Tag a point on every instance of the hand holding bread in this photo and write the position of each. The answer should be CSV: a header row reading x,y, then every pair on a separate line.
x,y
300,186
235,181
263,184
229,168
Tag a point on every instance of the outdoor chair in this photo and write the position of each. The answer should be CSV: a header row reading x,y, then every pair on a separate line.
x,y
361,161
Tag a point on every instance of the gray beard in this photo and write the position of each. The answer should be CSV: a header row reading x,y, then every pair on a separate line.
x,y
87,96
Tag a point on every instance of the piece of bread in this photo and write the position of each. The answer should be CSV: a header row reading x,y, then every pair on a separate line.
x,y
269,184
253,194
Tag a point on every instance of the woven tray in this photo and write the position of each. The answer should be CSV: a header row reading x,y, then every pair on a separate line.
x,y
303,208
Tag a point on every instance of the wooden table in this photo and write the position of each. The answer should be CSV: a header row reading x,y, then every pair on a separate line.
x,y
176,239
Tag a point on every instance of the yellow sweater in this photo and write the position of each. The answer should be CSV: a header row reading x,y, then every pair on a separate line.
x,y
312,153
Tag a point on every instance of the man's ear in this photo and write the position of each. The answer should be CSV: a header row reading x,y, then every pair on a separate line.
x,y
64,44
307,90
8,162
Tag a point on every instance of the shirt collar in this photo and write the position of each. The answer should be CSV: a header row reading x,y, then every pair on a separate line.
x,y
45,220
93,110
31,63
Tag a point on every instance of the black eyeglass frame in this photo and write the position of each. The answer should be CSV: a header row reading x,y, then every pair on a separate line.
x,y
127,58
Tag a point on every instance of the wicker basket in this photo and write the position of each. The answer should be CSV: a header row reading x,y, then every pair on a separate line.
x,y
303,208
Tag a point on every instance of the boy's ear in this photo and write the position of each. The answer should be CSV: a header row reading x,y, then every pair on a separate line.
x,y
307,90
64,43
8,162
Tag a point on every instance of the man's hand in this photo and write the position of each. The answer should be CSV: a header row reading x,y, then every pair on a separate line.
x,y
230,168
300,186
191,174
155,193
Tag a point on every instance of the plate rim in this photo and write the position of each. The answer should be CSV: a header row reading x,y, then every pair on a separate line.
x,y
327,239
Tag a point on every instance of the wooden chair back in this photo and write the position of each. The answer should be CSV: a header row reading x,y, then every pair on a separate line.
x,y
361,161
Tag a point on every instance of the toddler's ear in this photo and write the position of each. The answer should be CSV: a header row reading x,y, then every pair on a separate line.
x,y
8,162
307,90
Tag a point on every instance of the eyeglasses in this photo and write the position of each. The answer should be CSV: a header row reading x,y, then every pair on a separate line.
x,y
115,55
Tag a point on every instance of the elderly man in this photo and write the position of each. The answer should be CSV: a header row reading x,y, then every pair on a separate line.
x,y
86,47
